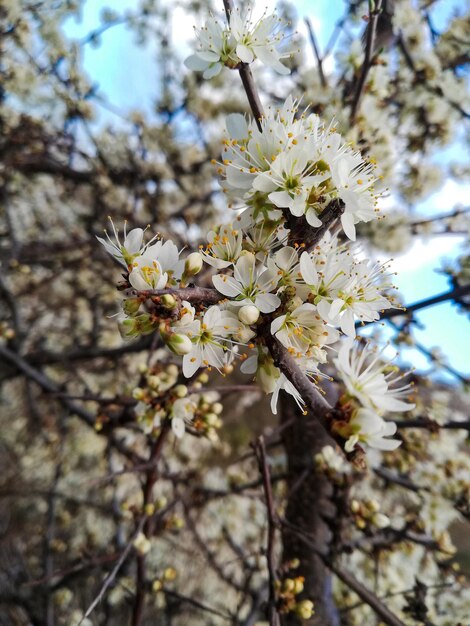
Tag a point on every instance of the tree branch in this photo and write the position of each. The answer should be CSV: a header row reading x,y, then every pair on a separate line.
x,y
453,294
203,295
374,12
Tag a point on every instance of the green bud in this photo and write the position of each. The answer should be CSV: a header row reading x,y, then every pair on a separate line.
x,y
131,306
139,325
138,393
168,301
193,264
179,344
217,408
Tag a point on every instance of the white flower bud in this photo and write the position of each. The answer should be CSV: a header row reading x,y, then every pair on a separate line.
x,y
193,264
217,408
380,520
212,419
179,344
141,544
172,370
248,314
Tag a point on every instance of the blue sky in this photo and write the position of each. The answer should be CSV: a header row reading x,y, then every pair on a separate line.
x,y
128,79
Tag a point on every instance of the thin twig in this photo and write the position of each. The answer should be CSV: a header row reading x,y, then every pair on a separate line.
x,y
368,596
147,526
110,578
374,12
197,604
453,294
247,78
316,52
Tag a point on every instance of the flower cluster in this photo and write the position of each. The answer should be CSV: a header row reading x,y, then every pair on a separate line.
x,y
293,163
243,41
371,390
265,284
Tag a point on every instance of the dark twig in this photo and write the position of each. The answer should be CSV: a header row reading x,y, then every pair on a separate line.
x,y
432,357
396,479
196,604
374,12
247,78
368,596
316,52
260,451
191,294
301,233
433,426
453,294
147,526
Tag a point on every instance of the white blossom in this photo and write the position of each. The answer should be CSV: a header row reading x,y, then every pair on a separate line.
x,y
210,338
303,331
250,284
224,246
131,247
370,380
369,428
241,42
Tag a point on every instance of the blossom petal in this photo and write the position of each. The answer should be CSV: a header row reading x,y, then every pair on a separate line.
x,y
237,127
226,285
195,63
244,53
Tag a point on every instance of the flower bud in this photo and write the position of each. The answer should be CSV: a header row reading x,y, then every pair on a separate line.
x,y
298,585
130,306
267,375
304,609
168,301
179,344
138,393
170,573
248,314
181,391
212,419
161,502
380,520
139,325
193,264
217,408
355,506
154,381
141,544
